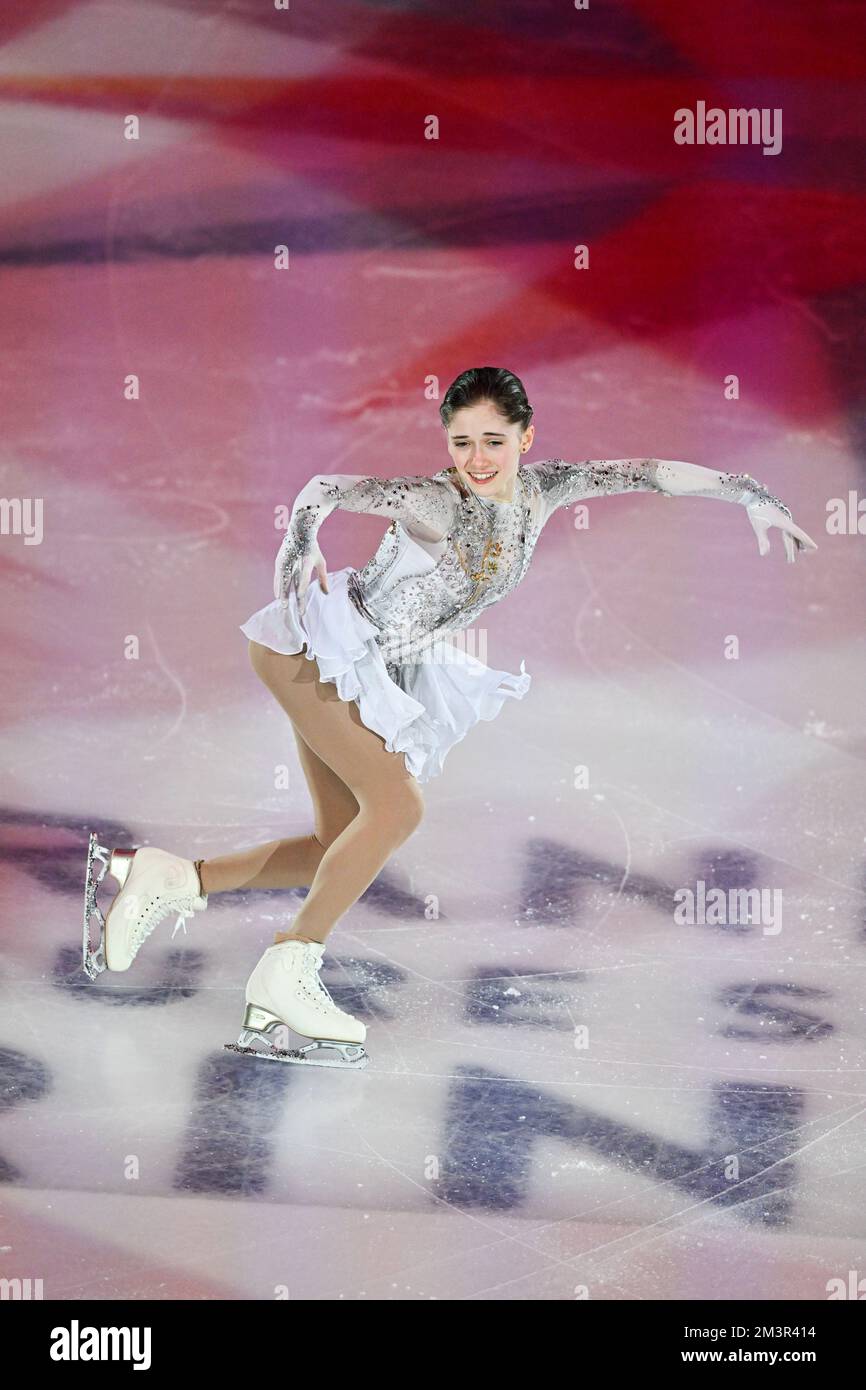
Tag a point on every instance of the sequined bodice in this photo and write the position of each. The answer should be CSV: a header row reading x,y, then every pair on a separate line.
x,y
418,591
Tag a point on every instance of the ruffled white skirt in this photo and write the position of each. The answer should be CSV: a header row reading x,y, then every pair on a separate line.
x,y
438,699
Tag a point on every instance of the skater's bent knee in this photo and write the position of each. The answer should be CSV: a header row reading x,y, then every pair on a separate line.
x,y
407,806
395,812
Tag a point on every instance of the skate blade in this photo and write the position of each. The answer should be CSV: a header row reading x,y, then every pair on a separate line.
x,y
347,1056
93,957
116,863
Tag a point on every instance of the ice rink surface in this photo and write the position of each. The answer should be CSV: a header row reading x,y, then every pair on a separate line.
x,y
573,1092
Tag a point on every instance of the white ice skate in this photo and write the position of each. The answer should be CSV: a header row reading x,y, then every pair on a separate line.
x,y
284,991
153,883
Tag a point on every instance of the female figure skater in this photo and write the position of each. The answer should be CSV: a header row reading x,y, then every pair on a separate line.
x,y
375,693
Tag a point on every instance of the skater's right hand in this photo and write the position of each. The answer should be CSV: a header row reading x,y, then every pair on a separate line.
x,y
285,566
312,563
294,570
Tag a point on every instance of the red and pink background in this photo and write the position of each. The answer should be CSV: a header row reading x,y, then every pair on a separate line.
x,y
560,1071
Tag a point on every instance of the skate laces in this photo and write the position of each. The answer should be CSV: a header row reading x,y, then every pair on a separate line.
x,y
154,911
311,976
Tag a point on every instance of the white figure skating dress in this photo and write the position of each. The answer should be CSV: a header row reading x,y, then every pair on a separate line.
x,y
384,635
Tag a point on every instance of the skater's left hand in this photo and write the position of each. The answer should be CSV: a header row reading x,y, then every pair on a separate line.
x,y
763,515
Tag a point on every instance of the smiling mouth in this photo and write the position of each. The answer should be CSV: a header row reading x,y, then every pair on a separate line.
x,y
483,477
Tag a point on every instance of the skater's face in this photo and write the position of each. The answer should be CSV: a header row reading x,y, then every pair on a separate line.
x,y
486,449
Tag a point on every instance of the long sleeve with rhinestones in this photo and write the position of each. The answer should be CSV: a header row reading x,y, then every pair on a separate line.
x,y
562,483
424,503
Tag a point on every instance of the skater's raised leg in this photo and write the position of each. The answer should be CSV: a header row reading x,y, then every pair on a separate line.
x,y
290,863
276,864
154,882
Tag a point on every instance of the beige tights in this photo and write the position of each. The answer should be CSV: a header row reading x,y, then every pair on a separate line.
x,y
365,803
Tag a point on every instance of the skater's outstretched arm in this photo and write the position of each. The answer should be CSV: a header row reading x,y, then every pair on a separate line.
x,y
561,483
426,506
